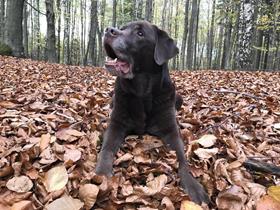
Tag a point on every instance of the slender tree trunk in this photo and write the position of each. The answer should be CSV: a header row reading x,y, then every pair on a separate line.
x,y
170,16
101,31
14,26
192,34
176,29
92,33
185,34
66,39
217,64
258,49
149,10
114,22
140,9
2,20
163,14
38,33
73,50
196,38
51,49
244,56
25,29
58,5
211,38
227,44
266,40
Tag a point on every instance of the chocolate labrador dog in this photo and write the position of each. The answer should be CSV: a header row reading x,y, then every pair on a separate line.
x,y
144,100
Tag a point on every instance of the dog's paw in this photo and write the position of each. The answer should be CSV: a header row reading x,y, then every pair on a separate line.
x,y
194,189
103,170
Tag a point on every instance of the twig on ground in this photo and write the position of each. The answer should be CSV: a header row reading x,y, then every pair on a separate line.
x,y
238,93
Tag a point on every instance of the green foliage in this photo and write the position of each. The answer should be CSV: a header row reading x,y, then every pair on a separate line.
x,y
5,49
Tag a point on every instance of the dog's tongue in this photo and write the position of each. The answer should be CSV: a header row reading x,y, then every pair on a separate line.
x,y
118,65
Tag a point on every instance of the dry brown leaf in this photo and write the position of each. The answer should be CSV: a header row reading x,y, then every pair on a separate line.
x,y
65,203
276,126
7,104
19,184
22,205
189,205
88,194
72,155
69,134
56,178
154,186
124,158
167,204
231,199
205,154
267,203
45,141
207,140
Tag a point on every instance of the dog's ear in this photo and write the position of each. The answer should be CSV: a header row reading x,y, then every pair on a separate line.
x,y
165,47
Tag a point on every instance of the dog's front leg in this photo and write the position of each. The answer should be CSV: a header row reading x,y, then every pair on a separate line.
x,y
190,185
113,138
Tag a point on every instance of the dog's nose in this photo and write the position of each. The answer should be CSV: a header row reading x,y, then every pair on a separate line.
x,y
111,31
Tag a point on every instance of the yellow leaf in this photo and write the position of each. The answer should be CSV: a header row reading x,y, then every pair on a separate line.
x,y
207,140
274,191
189,205
56,178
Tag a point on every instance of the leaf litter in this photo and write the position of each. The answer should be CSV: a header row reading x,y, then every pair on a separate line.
x,y
52,118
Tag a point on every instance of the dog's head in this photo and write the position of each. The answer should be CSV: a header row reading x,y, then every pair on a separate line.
x,y
137,47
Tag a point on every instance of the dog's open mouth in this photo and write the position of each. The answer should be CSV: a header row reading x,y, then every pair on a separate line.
x,y
116,65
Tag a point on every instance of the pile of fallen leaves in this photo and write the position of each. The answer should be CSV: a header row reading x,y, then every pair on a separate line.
x,y
52,118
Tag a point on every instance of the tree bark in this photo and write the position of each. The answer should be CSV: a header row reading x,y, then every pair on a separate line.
x,y
114,21
2,20
66,36
149,10
185,34
14,27
192,34
211,37
58,5
140,9
51,49
92,33
245,35
25,30
100,32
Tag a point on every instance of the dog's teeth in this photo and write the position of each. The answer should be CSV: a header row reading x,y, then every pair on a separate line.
x,y
115,60
106,58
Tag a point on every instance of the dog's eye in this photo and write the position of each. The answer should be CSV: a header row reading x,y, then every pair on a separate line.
x,y
140,33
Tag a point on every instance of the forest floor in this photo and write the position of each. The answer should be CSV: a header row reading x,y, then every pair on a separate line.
x,y
51,122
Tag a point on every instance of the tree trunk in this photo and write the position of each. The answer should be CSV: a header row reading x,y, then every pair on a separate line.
x,y
58,5
211,38
14,26
66,37
50,45
176,29
114,21
196,37
25,30
37,29
100,33
149,10
2,20
163,15
245,35
192,34
73,49
185,34
140,9
258,50
227,44
217,63
92,34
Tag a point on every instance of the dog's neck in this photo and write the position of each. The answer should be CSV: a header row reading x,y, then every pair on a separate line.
x,y
144,83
